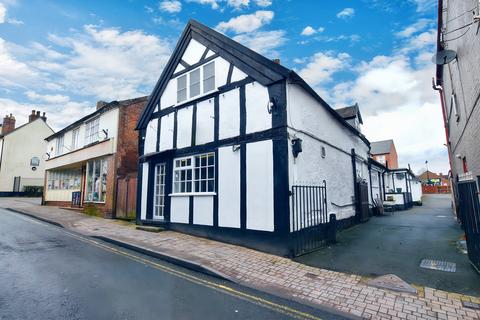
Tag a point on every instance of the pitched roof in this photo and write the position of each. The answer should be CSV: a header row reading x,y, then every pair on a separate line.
x,y
258,67
22,126
381,147
107,107
350,112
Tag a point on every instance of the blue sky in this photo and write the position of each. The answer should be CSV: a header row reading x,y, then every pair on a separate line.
x,y
63,56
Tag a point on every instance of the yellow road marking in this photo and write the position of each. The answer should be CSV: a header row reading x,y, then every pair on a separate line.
x,y
218,287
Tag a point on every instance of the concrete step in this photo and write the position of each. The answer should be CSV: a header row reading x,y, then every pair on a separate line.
x,y
150,229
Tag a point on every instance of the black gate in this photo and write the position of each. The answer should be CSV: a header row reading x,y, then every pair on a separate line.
x,y
310,224
362,203
469,215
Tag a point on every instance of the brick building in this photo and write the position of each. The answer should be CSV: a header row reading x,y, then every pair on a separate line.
x,y
89,158
459,83
385,153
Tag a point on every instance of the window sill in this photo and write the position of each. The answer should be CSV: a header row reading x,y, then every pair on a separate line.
x,y
95,202
187,194
189,100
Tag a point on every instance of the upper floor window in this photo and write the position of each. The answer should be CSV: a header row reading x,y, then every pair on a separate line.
x,y
200,81
91,131
209,77
75,138
59,145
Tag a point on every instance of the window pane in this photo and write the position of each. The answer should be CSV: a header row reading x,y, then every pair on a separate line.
x,y
194,83
209,77
182,88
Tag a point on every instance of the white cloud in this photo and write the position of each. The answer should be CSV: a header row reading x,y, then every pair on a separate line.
x,y
263,42
414,28
172,6
3,13
238,4
246,22
212,3
263,3
424,5
322,66
346,13
309,30
14,73
47,98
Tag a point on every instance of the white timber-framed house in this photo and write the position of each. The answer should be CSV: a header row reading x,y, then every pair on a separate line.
x,y
229,142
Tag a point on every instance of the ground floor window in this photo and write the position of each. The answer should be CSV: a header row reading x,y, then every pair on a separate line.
x,y
159,200
67,179
96,180
194,174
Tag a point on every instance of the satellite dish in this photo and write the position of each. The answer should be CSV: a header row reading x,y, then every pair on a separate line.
x,y
444,57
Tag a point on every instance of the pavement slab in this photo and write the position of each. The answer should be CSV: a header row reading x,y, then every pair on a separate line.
x,y
280,276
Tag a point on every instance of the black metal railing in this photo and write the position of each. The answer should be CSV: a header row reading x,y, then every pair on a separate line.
x,y
469,216
310,223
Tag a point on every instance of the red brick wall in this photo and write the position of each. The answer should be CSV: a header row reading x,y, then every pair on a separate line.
x,y
127,140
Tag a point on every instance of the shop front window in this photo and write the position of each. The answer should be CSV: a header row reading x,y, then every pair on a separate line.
x,y
96,180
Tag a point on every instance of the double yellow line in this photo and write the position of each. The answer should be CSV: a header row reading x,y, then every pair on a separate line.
x,y
296,314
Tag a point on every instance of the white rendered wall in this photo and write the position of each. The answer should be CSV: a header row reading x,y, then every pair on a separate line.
x,y
166,132
416,191
258,118
19,148
179,209
143,208
309,168
194,52
228,188
203,210
169,96
205,122
397,197
238,75
306,114
229,114
108,121
184,127
260,186
151,137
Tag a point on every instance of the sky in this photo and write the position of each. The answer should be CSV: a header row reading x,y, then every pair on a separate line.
x,y
61,57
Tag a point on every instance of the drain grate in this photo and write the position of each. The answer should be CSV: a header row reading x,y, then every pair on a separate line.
x,y
438,265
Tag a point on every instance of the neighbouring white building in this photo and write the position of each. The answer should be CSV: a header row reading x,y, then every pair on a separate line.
x,y
21,153
90,157
236,147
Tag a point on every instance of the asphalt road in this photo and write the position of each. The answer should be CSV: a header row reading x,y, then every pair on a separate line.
x,y
397,243
47,272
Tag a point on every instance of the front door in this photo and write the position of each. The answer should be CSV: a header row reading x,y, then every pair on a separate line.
x,y
159,192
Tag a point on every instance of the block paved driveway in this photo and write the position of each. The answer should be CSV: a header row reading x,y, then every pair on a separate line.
x,y
397,243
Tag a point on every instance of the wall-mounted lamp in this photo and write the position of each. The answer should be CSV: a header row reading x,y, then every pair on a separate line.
x,y
272,103
458,156
296,146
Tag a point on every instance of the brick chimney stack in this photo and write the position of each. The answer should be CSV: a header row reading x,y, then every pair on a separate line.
x,y
101,104
36,115
8,124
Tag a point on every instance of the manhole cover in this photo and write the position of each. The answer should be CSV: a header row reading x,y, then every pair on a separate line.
x,y
438,265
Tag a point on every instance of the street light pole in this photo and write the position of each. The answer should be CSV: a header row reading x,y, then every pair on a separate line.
x,y
428,174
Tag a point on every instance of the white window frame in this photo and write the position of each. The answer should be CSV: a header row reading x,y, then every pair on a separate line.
x,y
454,107
202,81
196,179
59,144
159,192
90,135
75,138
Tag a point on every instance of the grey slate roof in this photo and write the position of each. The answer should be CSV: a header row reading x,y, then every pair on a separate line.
x,y
380,147
350,112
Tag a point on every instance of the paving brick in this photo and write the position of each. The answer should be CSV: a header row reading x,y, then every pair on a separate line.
x,y
274,274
